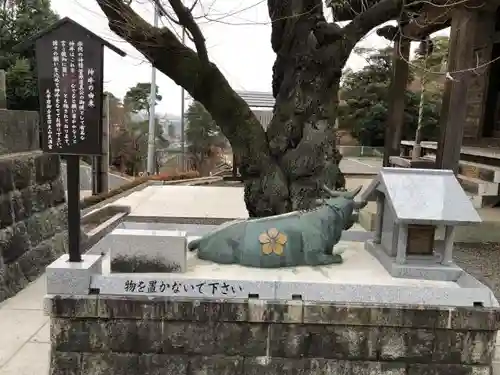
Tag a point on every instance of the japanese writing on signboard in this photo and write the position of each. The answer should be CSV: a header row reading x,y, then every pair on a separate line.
x,y
181,288
70,80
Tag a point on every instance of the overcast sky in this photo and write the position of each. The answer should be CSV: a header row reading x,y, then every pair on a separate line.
x,y
237,36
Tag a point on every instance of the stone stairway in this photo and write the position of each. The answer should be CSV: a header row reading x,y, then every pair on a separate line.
x,y
481,182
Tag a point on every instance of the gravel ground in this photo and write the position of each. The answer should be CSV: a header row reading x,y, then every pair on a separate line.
x,y
481,260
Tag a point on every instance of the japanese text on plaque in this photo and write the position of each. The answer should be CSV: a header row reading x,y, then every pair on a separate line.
x,y
73,91
176,287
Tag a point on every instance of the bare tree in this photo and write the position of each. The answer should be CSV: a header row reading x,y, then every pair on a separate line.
x,y
283,168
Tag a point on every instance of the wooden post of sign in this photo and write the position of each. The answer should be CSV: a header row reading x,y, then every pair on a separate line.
x,y
3,90
73,186
395,115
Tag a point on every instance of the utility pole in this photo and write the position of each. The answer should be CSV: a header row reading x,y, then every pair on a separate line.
x,y
183,140
152,120
3,90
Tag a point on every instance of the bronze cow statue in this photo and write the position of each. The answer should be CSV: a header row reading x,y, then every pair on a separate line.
x,y
293,239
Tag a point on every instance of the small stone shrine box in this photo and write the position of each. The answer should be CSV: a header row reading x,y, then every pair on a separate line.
x,y
413,206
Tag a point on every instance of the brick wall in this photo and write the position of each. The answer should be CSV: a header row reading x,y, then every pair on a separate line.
x,y
32,204
118,335
477,90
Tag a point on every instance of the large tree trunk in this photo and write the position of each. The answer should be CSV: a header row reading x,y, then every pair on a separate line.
x,y
285,168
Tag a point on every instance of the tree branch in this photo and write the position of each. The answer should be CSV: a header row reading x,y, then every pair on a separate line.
x,y
381,12
186,19
152,42
203,81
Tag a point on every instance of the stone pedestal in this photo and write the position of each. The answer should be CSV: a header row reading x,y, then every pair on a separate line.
x,y
98,334
137,250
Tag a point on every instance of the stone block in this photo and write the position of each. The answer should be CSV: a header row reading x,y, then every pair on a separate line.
x,y
64,277
33,262
19,131
47,168
321,341
44,225
217,364
58,192
126,307
148,250
19,211
471,318
274,311
71,306
160,364
376,315
6,212
59,243
23,172
445,369
110,363
12,280
6,177
42,197
313,366
214,338
474,347
72,335
14,242
64,363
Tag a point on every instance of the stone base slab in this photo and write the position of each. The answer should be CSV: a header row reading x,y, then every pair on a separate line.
x,y
416,270
65,277
141,250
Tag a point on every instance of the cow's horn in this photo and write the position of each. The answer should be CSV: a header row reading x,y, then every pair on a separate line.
x,y
345,194
333,193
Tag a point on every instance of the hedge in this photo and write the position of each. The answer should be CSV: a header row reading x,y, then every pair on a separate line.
x,y
95,199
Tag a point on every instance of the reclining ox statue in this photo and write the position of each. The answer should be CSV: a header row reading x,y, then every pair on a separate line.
x,y
293,239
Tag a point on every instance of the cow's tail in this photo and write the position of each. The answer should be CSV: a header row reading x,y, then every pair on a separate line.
x,y
194,244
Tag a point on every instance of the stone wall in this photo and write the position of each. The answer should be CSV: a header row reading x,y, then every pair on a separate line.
x,y
19,131
99,334
32,204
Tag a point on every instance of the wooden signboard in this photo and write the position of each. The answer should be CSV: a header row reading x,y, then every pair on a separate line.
x,y
70,82
70,79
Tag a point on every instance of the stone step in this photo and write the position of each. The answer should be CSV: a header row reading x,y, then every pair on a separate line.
x,y
481,171
481,201
477,186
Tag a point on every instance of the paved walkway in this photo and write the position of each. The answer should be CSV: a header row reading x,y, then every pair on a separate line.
x,y
360,165
25,333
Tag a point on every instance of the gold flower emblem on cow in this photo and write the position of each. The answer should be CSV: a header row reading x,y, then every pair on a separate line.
x,y
273,241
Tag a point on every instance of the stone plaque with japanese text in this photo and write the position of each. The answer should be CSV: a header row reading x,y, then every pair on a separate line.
x,y
70,76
